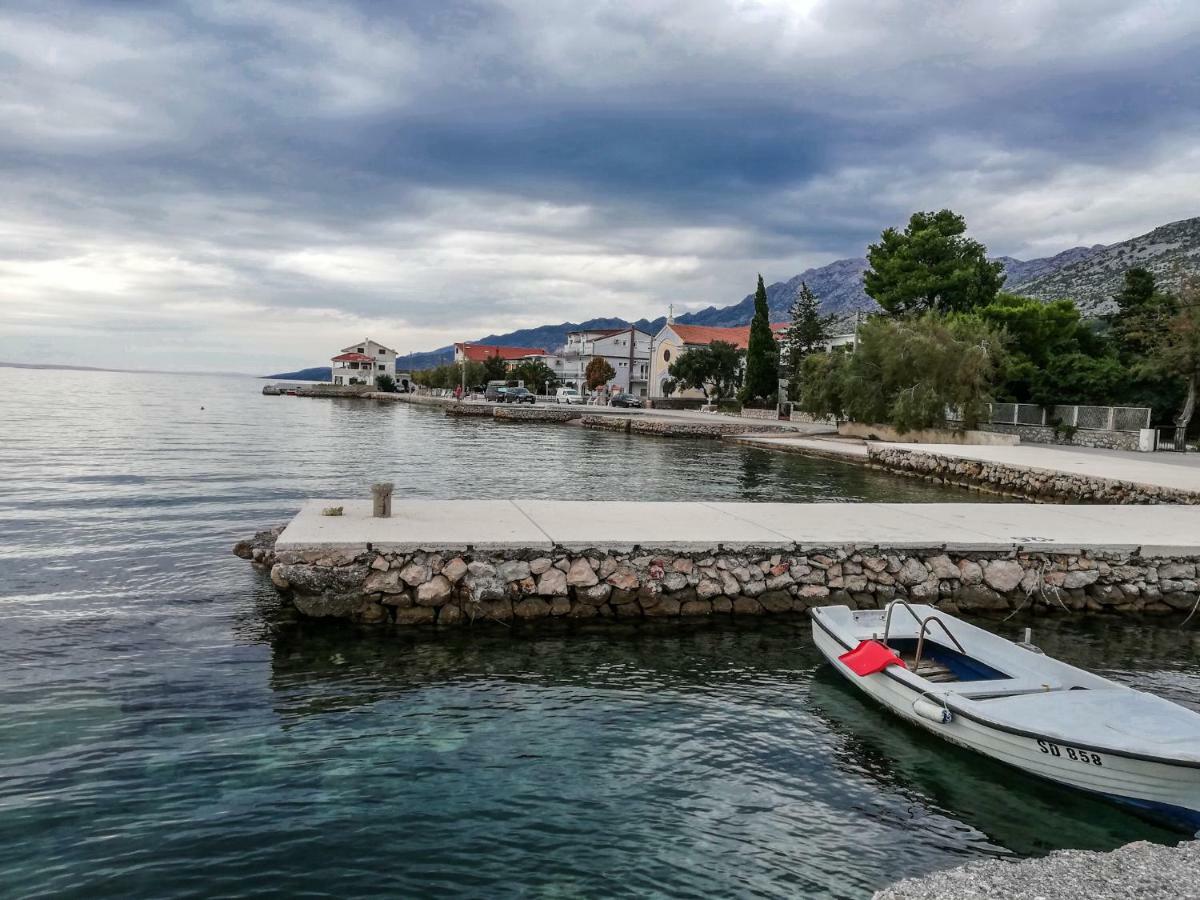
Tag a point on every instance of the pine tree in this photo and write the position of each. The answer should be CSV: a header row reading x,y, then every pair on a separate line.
x,y
807,333
762,357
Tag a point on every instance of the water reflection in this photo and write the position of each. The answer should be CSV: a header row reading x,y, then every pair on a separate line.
x,y
1025,815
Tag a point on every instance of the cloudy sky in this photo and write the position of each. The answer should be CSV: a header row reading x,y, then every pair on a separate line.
x,y
247,186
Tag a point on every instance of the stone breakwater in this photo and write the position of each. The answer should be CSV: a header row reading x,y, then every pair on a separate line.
x,y
518,413
678,427
1027,483
1142,870
450,588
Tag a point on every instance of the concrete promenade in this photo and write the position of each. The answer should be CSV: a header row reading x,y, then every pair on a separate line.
x,y
1171,471
1161,531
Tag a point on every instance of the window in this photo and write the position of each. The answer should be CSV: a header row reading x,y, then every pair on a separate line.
x,y
381,367
360,349
666,355
379,352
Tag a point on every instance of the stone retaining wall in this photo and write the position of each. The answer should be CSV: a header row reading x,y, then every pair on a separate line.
x,y
677,427
1030,484
556,413
926,435
771,414
1084,437
476,410
449,588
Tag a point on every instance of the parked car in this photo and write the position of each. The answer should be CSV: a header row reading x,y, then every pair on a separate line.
x,y
626,401
517,395
495,392
568,396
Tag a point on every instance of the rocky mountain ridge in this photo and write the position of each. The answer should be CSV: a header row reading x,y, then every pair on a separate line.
x,y
1087,275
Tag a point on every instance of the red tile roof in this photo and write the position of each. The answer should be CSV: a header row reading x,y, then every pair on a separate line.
x,y
352,357
480,352
703,335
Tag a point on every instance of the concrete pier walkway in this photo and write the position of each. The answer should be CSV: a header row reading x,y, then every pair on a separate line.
x,y
1161,531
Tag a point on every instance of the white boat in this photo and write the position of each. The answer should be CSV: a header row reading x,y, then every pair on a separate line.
x,y
1016,705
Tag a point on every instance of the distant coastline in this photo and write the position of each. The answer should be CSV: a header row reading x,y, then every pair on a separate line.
x,y
70,368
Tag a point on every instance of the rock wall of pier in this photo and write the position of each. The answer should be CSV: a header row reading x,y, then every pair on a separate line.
x,y
677,427
1018,481
449,588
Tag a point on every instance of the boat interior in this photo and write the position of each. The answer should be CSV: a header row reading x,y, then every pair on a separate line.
x,y
968,661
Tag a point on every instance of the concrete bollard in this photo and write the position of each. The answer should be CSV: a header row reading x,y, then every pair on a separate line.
x,y
382,494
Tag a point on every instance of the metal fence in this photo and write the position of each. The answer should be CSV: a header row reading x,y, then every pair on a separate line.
x,y
1092,418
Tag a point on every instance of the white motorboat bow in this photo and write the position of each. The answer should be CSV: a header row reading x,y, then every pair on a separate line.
x,y
1016,705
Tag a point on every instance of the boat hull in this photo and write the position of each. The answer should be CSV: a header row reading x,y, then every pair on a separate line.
x,y
1164,791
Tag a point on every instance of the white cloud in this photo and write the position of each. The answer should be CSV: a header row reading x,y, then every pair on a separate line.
x,y
228,185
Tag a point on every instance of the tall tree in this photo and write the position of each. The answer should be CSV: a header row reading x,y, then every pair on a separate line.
x,y
931,265
494,367
538,376
1142,316
598,372
1176,354
807,333
906,372
712,370
762,357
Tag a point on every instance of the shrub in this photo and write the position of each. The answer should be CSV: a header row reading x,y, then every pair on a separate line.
x,y
907,372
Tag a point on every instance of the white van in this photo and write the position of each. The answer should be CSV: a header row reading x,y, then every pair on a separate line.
x,y
567,395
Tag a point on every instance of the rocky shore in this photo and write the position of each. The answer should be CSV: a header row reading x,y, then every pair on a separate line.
x,y
1026,483
450,588
1140,870
664,427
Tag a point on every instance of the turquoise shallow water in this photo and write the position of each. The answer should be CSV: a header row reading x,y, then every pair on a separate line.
x,y
166,730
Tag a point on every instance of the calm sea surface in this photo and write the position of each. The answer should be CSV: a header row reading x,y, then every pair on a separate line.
x,y
167,730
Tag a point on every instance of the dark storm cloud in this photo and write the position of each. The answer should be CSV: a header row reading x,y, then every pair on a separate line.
x,y
514,161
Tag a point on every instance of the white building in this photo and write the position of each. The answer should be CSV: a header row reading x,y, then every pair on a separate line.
x,y
360,363
627,350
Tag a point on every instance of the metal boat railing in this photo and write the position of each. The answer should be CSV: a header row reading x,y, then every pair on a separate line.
x,y
924,623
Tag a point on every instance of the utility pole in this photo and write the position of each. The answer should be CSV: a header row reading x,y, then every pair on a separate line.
x,y
463,382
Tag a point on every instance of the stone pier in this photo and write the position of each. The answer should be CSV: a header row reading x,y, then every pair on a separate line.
x,y
450,563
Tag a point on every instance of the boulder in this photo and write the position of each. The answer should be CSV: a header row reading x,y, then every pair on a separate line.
x,y
455,569
539,565
450,614
415,615
553,582
970,572
531,608
776,601
624,578
596,594
708,588
485,587
581,574
1003,575
912,572
416,573
674,581
1078,579
747,606
513,570
383,582
942,567
434,592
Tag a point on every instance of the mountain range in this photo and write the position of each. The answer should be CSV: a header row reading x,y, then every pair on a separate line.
x,y
1089,276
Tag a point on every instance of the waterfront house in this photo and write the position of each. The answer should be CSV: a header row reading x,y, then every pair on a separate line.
x,y
360,363
627,350
675,339
471,352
